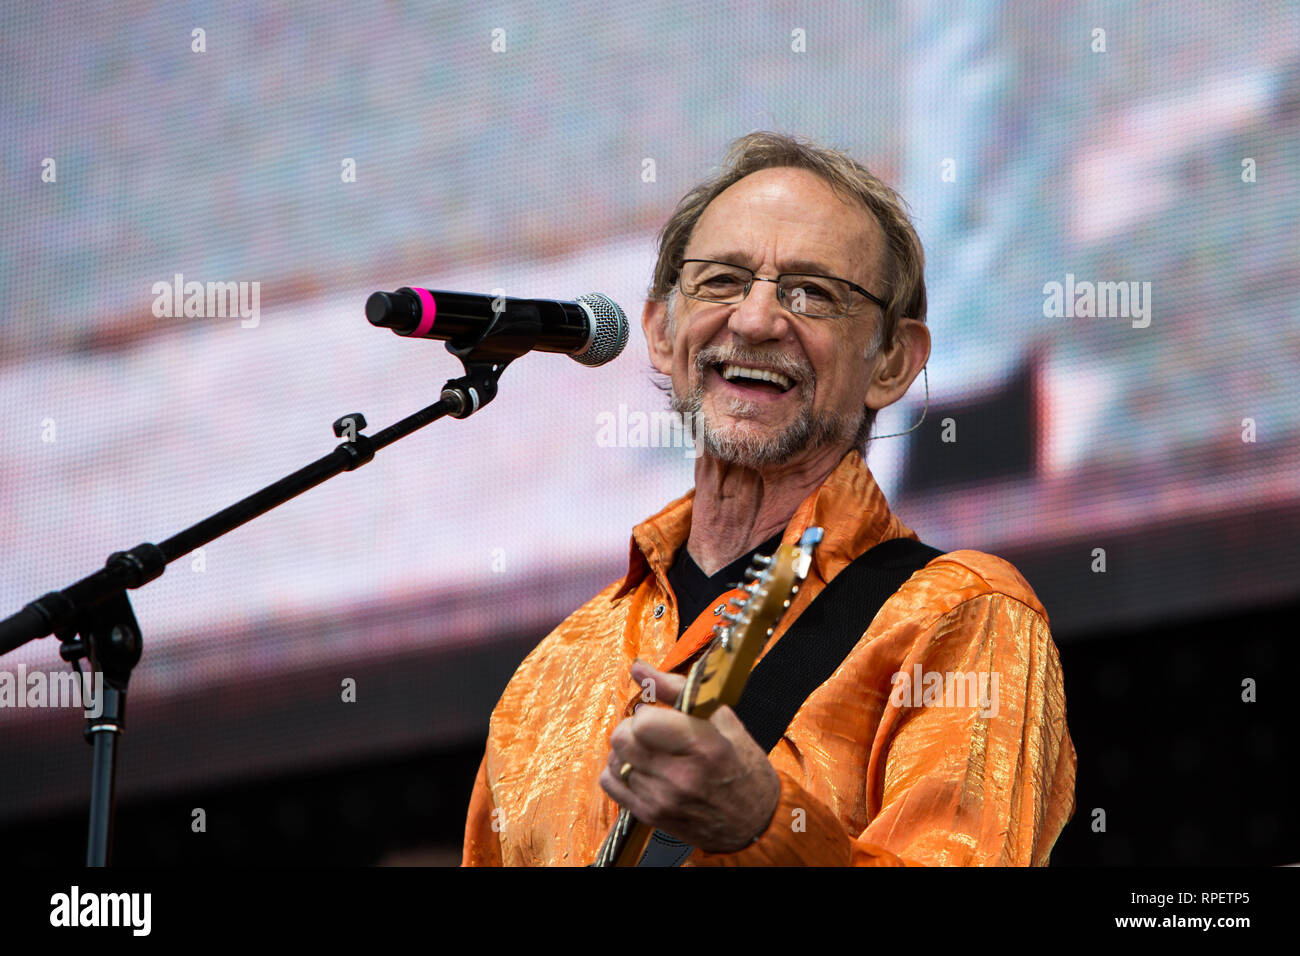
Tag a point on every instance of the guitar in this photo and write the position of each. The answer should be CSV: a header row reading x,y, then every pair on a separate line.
x,y
718,677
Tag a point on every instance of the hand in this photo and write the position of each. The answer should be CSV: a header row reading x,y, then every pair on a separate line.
x,y
703,781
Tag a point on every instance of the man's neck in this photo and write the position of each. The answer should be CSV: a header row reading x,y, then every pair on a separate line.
x,y
737,509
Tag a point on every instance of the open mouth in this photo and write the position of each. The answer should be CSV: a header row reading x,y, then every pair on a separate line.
x,y
762,379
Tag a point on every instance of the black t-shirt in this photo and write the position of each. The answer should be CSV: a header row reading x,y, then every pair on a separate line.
x,y
695,590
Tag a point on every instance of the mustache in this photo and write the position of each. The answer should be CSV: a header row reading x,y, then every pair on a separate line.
x,y
792,366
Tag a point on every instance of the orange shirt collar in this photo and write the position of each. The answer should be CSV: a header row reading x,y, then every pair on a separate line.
x,y
849,505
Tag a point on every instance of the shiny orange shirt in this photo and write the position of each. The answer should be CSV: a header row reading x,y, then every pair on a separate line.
x,y
875,770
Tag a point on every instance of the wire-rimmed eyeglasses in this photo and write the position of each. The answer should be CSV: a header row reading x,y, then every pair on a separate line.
x,y
723,283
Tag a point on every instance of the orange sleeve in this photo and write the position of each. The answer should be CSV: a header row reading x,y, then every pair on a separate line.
x,y
991,784
482,844
803,832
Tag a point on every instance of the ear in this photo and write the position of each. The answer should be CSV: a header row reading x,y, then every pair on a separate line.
x,y
654,323
899,363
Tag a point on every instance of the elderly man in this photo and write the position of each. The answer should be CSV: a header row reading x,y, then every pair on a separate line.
x,y
787,307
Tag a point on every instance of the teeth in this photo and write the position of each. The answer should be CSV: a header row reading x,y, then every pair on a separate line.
x,y
733,372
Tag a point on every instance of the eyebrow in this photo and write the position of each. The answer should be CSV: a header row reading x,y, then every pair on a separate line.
x,y
799,266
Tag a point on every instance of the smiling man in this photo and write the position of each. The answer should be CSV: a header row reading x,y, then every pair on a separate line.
x,y
787,307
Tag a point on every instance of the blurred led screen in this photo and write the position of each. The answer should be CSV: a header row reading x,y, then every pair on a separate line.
x,y
1106,192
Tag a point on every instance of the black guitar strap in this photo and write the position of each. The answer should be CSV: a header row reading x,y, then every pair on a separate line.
x,y
810,652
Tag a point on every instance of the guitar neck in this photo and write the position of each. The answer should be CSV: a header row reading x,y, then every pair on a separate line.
x,y
718,678
627,840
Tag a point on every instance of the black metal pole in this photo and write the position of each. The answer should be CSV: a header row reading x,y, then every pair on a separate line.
x,y
103,735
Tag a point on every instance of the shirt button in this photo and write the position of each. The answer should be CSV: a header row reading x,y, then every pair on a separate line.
x,y
659,611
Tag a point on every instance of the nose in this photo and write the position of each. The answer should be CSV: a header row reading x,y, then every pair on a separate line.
x,y
759,317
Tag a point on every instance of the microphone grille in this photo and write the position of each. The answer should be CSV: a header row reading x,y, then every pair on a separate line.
x,y
608,329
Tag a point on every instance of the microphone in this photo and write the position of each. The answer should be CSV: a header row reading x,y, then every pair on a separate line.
x,y
592,329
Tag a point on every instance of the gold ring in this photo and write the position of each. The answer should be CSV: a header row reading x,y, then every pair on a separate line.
x,y
625,771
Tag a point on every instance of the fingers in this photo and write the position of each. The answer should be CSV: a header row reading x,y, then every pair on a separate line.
x,y
653,742
620,792
641,791
628,754
664,688
706,782
656,732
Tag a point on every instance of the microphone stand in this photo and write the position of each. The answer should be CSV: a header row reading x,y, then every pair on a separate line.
x,y
93,618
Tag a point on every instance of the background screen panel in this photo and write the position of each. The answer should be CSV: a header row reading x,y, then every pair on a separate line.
x,y
537,152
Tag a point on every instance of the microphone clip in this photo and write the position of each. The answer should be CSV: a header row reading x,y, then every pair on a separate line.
x,y
485,359
465,395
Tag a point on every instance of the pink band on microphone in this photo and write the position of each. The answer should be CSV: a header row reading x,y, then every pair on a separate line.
x,y
428,310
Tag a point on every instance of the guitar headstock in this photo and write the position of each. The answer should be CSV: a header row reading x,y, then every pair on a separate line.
x,y
747,625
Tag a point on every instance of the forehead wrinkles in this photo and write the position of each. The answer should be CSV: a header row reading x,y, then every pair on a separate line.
x,y
789,212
